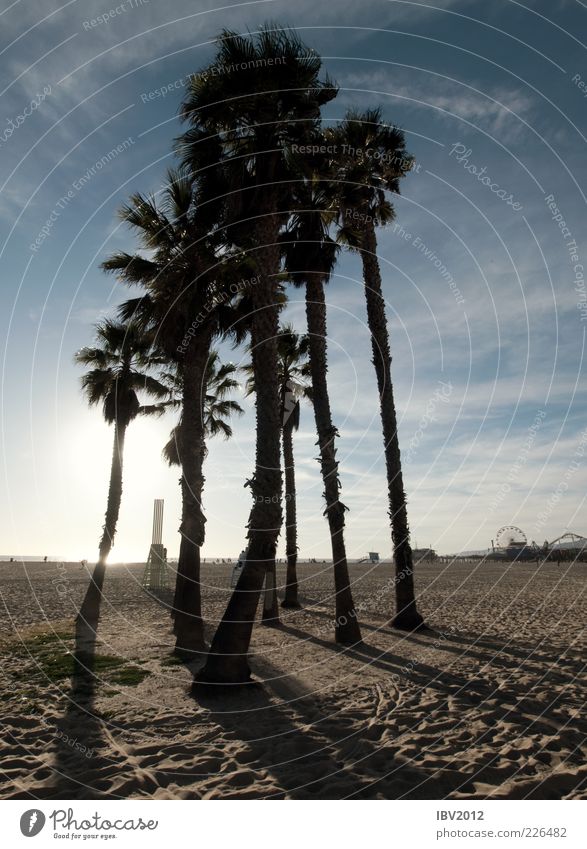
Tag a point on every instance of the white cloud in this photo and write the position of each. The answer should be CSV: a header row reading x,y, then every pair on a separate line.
x,y
496,110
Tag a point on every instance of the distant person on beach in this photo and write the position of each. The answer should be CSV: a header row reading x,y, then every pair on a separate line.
x,y
45,559
242,559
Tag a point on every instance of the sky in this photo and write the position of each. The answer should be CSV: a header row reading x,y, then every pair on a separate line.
x,y
483,269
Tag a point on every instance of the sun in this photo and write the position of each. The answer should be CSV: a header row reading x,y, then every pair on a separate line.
x,y
88,443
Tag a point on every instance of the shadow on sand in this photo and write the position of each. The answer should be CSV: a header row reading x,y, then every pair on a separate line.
x,y
310,751
79,732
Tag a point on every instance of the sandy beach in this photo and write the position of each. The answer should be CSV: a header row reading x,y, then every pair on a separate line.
x,y
488,704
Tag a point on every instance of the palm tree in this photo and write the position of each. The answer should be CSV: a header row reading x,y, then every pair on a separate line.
x,y
183,283
371,159
292,349
219,383
217,411
258,114
310,260
118,374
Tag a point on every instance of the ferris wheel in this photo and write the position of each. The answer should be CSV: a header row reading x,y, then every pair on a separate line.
x,y
510,536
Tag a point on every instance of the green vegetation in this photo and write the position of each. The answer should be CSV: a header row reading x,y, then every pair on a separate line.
x,y
50,659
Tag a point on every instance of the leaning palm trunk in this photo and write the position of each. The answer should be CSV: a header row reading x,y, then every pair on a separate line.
x,y
227,661
347,629
406,616
183,563
187,613
291,532
89,612
270,602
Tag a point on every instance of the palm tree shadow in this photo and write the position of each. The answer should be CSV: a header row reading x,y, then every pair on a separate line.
x,y
501,654
308,608
479,691
310,753
78,733
273,741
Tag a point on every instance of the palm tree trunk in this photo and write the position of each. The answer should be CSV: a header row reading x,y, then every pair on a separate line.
x,y
227,660
270,615
188,623
347,629
89,612
291,530
406,616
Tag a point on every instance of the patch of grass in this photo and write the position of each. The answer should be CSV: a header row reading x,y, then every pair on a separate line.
x,y
172,660
51,655
129,675
48,652
106,662
53,667
48,638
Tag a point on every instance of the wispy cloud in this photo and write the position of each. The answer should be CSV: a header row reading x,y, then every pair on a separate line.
x,y
495,109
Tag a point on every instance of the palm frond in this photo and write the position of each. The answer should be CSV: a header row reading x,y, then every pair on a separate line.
x,y
171,452
131,269
121,361
96,384
97,357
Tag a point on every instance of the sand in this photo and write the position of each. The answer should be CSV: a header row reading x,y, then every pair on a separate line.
x,y
489,704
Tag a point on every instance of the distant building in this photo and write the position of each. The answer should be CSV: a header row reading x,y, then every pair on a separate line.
x,y
419,554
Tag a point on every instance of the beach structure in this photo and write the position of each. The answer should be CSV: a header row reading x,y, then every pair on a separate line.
x,y
419,554
372,557
155,576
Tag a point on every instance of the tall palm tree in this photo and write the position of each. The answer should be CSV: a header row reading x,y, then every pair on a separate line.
x,y
371,159
292,349
183,283
310,260
218,408
258,114
118,374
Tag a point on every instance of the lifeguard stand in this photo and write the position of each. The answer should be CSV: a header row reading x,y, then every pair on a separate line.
x,y
372,557
155,576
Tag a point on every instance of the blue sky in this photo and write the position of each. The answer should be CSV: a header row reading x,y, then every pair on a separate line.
x,y
487,348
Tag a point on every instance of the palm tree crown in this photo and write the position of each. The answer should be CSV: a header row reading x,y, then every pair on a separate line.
x,y
177,275
371,159
293,373
118,374
260,112
217,409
